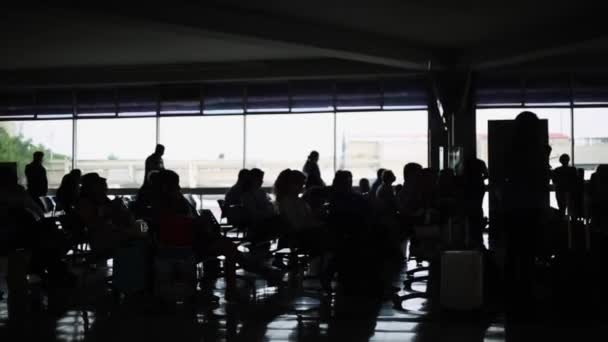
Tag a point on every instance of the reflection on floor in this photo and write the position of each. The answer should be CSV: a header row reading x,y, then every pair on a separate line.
x,y
296,313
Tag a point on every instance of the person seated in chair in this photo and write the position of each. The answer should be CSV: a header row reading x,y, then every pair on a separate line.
x,y
408,199
110,224
29,229
385,206
234,194
348,210
69,191
256,204
13,195
178,229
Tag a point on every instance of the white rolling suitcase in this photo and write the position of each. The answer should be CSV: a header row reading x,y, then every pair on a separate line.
x,y
461,280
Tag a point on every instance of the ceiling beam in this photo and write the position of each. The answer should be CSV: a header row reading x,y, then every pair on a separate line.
x,y
323,68
260,27
585,32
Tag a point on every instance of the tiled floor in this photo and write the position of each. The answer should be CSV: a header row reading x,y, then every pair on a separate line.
x,y
295,313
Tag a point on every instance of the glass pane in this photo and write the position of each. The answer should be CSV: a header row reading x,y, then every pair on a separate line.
x,y
20,139
116,149
560,129
372,140
278,142
590,138
204,151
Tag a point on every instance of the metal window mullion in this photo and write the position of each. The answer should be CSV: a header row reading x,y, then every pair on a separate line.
x,y
333,103
335,141
158,101
201,103
244,107
571,121
382,95
36,107
289,97
74,131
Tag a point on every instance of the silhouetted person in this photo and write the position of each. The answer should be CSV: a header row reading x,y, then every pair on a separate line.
x,y
526,190
348,210
69,191
293,209
398,188
35,173
565,181
179,230
256,203
155,160
599,199
377,183
234,194
110,224
364,187
385,196
408,202
312,172
474,174
14,196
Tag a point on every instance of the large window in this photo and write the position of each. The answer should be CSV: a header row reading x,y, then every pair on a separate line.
x,y
209,150
20,139
204,151
367,141
278,142
590,138
560,129
116,149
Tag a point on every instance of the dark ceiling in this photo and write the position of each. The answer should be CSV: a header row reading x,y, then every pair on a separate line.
x,y
278,38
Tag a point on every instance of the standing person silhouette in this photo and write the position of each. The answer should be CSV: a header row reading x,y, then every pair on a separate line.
x,y
474,174
35,173
376,183
564,179
155,162
312,172
527,186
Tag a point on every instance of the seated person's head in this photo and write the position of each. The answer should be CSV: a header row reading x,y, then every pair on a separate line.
x,y
76,173
296,182
564,159
398,188
94,187
168,184
364,185
281,184
388,177
257,178
343,182
243,176
410,171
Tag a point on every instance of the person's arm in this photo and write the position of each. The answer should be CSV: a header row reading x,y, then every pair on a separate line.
x,y
31,205
45,181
